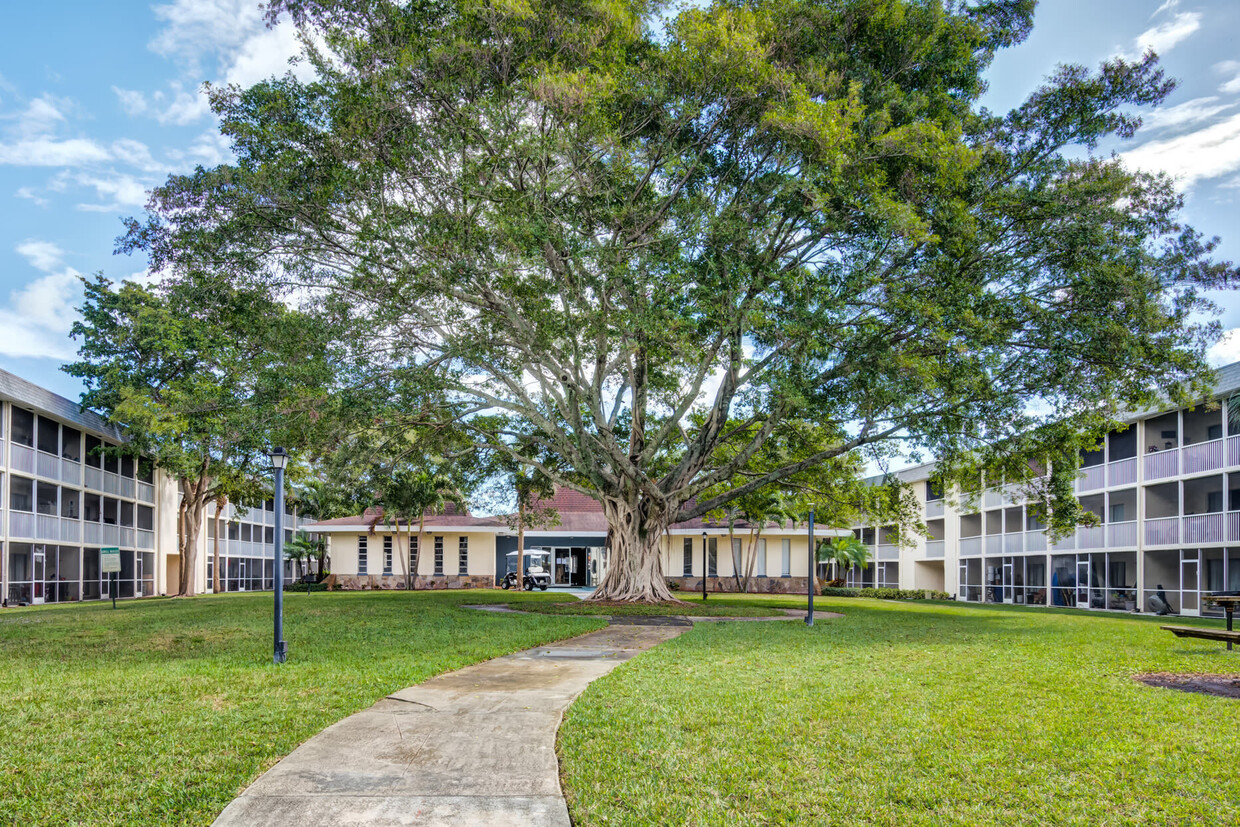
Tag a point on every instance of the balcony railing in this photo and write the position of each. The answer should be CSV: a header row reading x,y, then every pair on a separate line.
x,y
1162,464
994,544
94,478
993,498
1035,541
886,551
1233,526
1233,450
126,487
1095,476
48,465
70,472
1205,456
70,530
48,527
126,537
21,458
1122,472
935,548
1122,535
21,523
970,546
1089,537
92,534
111,535
934,508
1164,531
1204,528
146,492
111,483
1013,543
1064,544
145,539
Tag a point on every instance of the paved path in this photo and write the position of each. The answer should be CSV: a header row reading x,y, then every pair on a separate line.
x,y
471,747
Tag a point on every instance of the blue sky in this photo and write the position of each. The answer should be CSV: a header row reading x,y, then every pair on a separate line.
x,y
100,101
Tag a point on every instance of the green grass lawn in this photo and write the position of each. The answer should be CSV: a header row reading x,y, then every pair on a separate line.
x,y
161,711
907,713
696,608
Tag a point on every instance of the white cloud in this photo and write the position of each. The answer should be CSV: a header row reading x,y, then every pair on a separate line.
x,y
1226,350
267,53
177,106
39,316
42,255
45,151
1229,67
1165,36
132,101
209,149
1210,152
116,188
29,194
1168,5
195,28
1189,112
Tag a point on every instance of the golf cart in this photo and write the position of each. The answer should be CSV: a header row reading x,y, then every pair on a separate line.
x,y
536,573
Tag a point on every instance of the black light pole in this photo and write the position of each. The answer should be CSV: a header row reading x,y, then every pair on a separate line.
x,y
279,461
705,566
809,581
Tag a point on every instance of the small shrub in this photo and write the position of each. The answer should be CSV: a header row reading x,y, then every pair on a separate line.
x,y
886,594
306,587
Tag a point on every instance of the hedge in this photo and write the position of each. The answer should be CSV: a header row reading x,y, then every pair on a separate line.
x,y
886,594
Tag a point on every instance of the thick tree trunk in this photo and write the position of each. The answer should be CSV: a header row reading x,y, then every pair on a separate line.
x,y
192,508
635,560
520,544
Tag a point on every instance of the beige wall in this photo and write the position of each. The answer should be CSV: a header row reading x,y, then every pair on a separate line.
x,y
798,544
480,555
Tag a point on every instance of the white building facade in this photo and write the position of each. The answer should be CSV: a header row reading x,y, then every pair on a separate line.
x,y
1166,491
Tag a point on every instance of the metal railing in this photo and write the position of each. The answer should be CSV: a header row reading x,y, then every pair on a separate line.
x,y
1204,456
970,546
1164,531
47,527
1122,535
1122,472
70,471
1204,528
1035,541
21,458
1162,464
145,540
69,530
146,492
92,534
21,524
886,551
994,544
48,465
94,478
1090,537
1013,543
934,508
1095,476
935,548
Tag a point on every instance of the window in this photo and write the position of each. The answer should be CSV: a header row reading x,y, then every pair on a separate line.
x,y
110,461
688,557
233,528
361,555
1214,501
71,443
245,532
21,494
93,448
269,535
1214,432
49,436
762,558
438,555
47,498
126,514
712,557
146,470
22,427
785,558
463,547
387,554
70,503
736,556
127,467
413,555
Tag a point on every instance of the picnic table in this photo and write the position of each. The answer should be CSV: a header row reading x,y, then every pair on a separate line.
x,y
1228,602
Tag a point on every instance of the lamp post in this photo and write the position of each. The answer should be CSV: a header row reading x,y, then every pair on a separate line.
x,y
809,581
705,566
279,461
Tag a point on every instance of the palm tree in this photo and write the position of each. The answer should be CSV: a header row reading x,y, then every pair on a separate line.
x,y
302,549
844,552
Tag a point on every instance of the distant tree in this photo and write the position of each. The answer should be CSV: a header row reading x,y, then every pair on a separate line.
x,y
202,376
601,218
845,553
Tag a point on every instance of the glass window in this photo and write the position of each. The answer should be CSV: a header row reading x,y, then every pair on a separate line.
x,y
438,555
146,470
127,466
269,535
49,436
47,499
92,507
110,461
70,503
712,557
463,548
687,555
245,532
110,510
361,555
21,494
387,554
762,558
127,514
71,443
146,518
22,427
785,561
233,529
94,451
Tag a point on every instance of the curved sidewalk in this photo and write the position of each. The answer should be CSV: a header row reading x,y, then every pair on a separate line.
x,y
474,746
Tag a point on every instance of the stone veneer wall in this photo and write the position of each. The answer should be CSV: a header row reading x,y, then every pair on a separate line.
x,y
758,585
397,581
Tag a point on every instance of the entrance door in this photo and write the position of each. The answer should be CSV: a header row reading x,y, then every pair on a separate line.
x,y
1009,593
1082,582
40,565
241,572
137,573
1190,597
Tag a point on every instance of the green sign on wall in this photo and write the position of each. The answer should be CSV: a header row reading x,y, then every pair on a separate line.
x,y
111,559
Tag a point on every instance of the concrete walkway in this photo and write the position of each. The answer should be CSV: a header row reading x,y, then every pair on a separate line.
x,y
471,747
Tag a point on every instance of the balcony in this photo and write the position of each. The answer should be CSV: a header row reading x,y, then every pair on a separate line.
x,y
1122,535
993,498
111,483
1092,478
1203,528
886,551
126,487
21,523
1204,456
47,465
1090,537
934,508
1162,532
1122,472
1035,541
146,492
21,458
47,527
70,530
92,534
1233,450
970,546
70,472
1162,464
145,540
94,478
1064,544
935,548
126,537
994,544
1013,543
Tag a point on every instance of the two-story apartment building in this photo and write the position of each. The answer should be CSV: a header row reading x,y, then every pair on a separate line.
x,y
1166,491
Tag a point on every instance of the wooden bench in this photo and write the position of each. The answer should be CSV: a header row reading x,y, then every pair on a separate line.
x,y
1206,634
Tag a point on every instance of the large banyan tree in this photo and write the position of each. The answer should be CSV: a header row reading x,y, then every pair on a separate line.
x,y
656,242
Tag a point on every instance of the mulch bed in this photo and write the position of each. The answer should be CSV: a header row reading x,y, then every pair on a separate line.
x,y
1225,686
